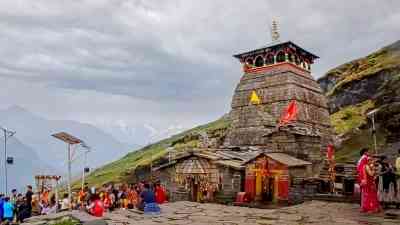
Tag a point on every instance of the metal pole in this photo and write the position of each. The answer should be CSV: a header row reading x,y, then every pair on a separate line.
x,y
69,177
84,166
56,194
374,131
151,167
5,160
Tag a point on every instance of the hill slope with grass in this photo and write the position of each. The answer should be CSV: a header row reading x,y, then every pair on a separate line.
x,y
357,87
122,169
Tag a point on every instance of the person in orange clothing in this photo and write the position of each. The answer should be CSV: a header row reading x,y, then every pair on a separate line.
x,y
82,196
160,194
107,201
133,197
45,196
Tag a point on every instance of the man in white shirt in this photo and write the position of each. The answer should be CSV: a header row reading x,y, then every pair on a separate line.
x,y
65,204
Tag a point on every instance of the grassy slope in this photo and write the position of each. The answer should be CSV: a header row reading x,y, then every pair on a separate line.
x,y
384,59
351,117
117,171
349,122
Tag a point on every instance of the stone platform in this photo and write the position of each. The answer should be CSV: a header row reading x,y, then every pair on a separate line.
x,y
185,213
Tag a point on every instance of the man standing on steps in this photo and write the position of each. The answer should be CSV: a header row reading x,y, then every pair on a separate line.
x,y
28,197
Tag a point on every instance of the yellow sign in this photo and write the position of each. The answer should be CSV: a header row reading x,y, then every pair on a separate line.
x,y
254,99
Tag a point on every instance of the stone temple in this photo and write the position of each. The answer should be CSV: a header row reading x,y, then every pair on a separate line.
x,y
260,157
280,73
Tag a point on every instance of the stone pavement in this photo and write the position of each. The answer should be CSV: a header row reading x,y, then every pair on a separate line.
x,y
314,212
190,213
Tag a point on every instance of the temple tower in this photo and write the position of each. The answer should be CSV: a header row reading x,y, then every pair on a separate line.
x,y
280,73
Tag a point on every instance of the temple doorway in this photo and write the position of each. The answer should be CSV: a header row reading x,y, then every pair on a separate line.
x,y
194,191
268,190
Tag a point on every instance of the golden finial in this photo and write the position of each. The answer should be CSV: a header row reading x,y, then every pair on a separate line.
x,y
275,32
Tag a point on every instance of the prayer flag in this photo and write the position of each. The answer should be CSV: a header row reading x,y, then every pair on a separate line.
x,y
330,153
254,99
289,114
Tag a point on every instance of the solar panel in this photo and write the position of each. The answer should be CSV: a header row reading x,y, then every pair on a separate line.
x,y
65,137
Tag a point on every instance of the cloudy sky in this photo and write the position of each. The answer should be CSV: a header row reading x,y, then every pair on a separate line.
x,y
156,66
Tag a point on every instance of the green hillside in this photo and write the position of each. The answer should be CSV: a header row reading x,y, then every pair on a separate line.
x,y
357,87
384,60
118,171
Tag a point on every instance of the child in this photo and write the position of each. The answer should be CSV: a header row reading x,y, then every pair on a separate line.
x,y
8,210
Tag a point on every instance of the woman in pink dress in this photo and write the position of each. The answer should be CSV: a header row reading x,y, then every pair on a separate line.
x,y
369,199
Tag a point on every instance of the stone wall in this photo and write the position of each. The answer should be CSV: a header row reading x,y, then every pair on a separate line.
x,y
231,184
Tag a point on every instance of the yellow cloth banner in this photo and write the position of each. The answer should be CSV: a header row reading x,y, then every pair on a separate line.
x,y
254,99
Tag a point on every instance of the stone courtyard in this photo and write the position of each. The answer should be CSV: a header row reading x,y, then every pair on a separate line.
x,y
314,212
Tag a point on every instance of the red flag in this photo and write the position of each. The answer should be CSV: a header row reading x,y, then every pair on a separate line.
x,y
330,153
289,114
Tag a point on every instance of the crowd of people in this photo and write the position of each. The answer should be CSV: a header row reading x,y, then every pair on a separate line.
x,y
378,182
16,207
143,196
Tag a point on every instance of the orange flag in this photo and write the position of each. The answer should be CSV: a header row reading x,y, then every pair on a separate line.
x,y
330,152
289,114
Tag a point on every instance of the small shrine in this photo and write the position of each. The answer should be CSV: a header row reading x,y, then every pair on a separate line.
x,y
268,176
203,175
46,184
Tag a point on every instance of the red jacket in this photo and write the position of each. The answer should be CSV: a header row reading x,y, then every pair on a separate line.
x,y
160,195
98,208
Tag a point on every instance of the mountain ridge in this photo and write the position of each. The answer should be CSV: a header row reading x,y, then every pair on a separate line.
x,y
35,132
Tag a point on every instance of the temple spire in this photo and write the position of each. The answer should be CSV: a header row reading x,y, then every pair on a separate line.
x,y
275,32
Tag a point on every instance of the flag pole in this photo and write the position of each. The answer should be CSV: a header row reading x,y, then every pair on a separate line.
x,y
371,114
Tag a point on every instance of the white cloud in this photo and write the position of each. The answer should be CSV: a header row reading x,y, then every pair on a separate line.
x,y
164,63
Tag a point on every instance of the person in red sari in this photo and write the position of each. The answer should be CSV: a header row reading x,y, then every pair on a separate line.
x,y
361,168
369,198
160,194
361,164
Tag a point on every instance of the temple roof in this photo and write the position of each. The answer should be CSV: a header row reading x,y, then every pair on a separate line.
x,y
225,157
275,47
194,166
283,158
288,160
